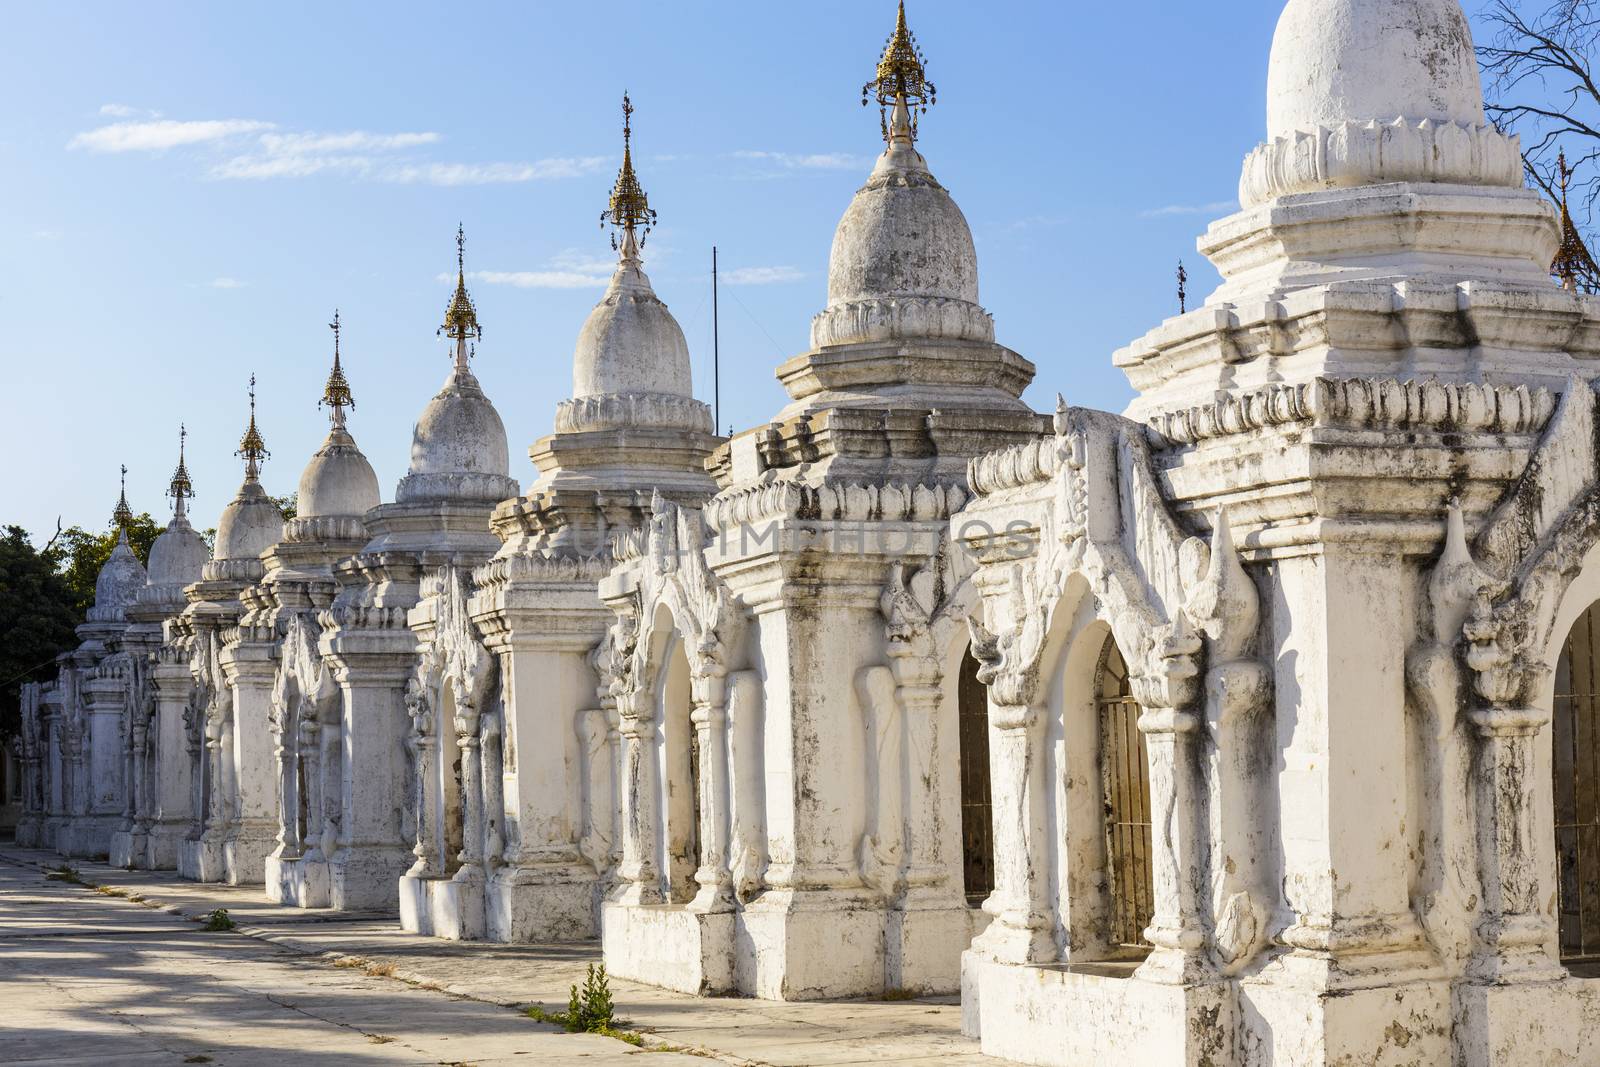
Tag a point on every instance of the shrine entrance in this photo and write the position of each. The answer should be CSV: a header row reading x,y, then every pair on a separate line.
x,y
1125,778
977,819
1575,727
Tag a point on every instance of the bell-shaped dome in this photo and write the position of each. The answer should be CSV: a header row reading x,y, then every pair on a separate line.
x,y
338,481
250,524
903,265
1371,60
178,555
458,448
630,343
119,581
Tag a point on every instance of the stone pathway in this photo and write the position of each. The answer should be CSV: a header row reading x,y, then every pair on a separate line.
x,y
97,978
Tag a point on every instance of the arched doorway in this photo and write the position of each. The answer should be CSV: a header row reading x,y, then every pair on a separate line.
x,y
977,820
1125,779
1575,729
679,770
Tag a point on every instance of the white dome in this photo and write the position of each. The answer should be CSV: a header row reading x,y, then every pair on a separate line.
x,y
178,555
630,342
903,265
338,481
249,525
119,581
458,447
1371,60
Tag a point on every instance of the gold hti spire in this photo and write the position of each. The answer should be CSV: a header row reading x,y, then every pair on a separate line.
x,y
1573,265
901,84
336,394
181,489
122,515
461,318
629,208
251,446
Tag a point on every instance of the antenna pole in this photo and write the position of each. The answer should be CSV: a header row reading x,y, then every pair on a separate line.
x,y
716,351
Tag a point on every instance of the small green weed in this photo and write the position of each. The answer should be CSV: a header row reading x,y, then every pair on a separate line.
x,y
64,873
589,1010
218,920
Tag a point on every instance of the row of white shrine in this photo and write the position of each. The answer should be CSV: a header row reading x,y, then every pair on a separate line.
x,y
1204,734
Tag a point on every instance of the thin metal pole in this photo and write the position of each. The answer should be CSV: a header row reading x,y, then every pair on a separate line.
x,y
716,352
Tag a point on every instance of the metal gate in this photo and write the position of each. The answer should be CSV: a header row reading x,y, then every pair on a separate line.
x,y
1576,735
1125,776
977,820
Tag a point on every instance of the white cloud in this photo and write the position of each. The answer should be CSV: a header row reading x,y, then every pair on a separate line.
x,y
489,173
123,111
286,144
762,275
160,135
811,161
225,283
1188,209
535,279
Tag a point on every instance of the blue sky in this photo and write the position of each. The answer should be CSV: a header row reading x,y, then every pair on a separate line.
x,y
190,191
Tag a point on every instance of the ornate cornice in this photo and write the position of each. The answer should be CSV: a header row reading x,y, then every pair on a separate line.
x,y
626,411
1373,153
901,317
1363,404
833,503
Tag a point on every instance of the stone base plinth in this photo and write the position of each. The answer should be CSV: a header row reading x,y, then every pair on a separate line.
x,y
540,904
451,908
669,945
923,947
202,861
816,946
125,849
362,878
1402,1022
245,856
1534,1024
161,846
30,829
88,836
298,881
1069,1018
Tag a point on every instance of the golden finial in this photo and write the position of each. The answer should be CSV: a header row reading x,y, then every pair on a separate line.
x,y
461,318
1573,265
629,209
336,394
251,446
122,516
901,81
181,489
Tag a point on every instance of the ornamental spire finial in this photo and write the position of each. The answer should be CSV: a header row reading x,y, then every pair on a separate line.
x,y
1573,265
122,515
461,317
251,446
181,489
901,85
629,208
336,394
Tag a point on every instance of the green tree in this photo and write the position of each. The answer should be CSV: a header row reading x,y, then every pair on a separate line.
x,y
38,611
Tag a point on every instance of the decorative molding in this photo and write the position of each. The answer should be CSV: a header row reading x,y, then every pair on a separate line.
x,y
832,503
1373,153
1428,405
901,318
629,411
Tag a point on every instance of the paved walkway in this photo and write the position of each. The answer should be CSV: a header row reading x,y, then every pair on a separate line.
x,y
123,975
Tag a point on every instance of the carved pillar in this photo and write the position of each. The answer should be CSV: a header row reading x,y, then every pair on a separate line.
x,y
424,746
1513,929
1177,864
286,736
1021,931
641,860
491,748
470,857
710,721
